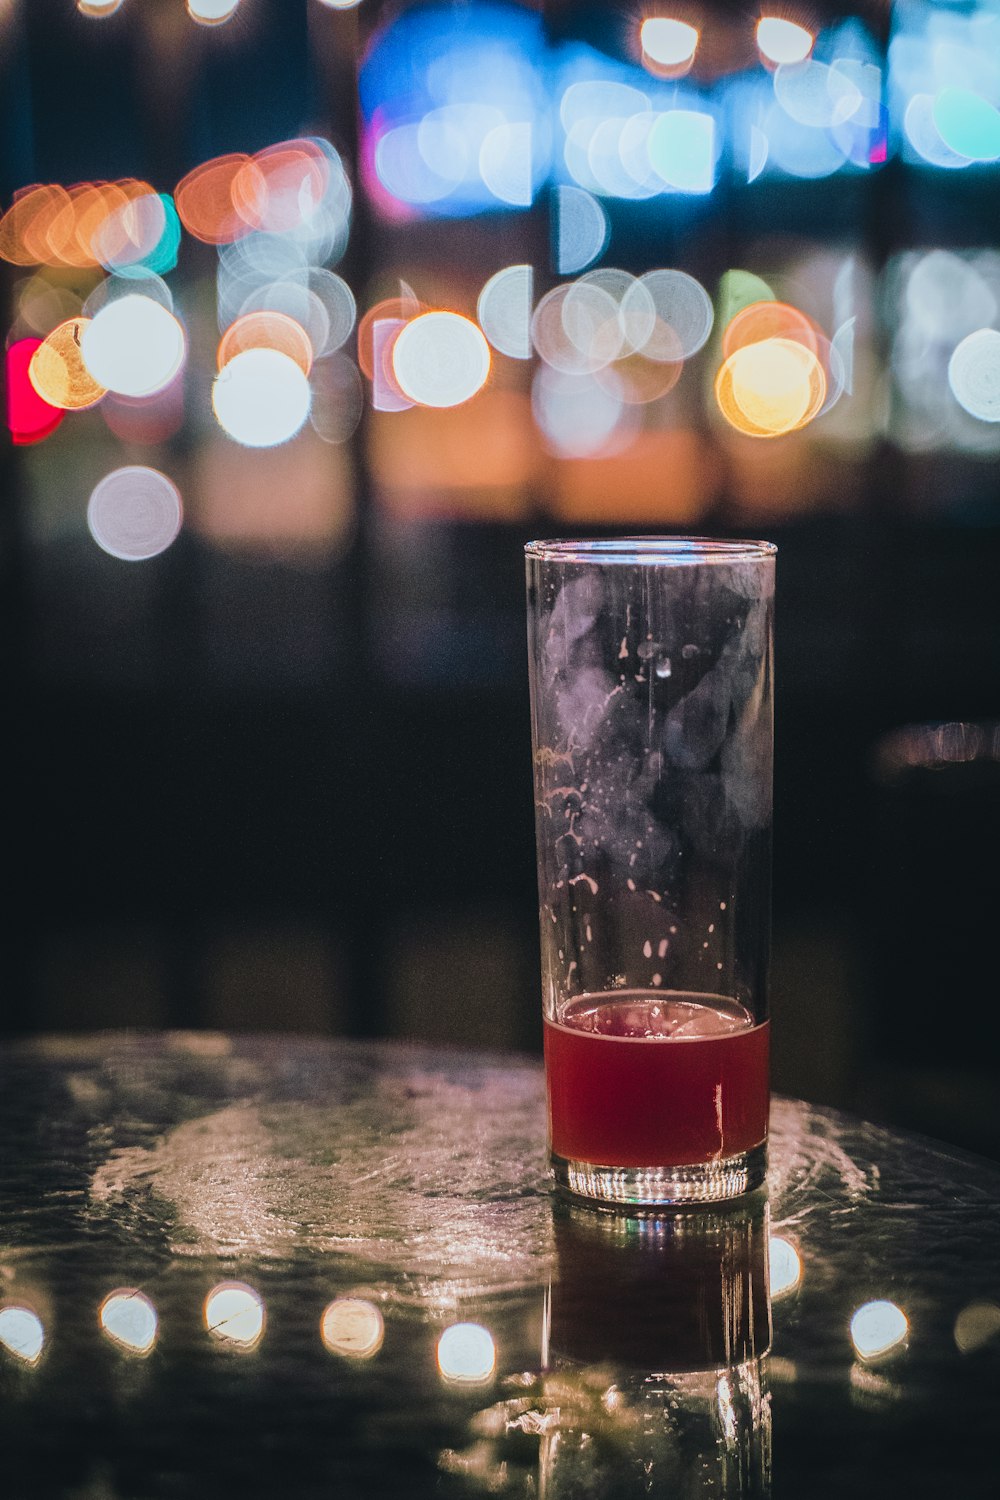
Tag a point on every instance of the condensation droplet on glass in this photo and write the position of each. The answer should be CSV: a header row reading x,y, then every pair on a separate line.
x,y
663,667
647,949
662,949
722,906
673,929
657,979
711,926
623,650
630,884
688,651
705,943
718,966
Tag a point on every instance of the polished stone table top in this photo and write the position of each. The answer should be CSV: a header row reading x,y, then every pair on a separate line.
x,y
340,1271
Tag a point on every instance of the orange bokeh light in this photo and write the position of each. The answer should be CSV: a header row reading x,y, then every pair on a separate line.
x,y
275,190
770,320
399,309
267,330
205,203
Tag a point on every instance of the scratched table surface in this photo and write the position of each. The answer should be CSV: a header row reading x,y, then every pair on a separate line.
x,y
317,1267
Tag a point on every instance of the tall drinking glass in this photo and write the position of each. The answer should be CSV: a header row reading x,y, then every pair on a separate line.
x,y
650,665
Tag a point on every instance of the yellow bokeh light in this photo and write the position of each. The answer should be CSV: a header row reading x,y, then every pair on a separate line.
x,y
466,1354
129,1320
353,1327
440,359
98,9
770,388
57,370
234,1313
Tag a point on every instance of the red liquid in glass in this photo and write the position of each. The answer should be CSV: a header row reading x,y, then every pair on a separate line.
x,y
643,1078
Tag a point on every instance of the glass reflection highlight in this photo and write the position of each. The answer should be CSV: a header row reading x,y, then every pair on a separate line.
x,y
234,1313
466,1354
22,1334
878,1328
353,1327
129,1320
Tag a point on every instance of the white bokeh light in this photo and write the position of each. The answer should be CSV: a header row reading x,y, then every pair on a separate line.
x,y
784,1265
668,42
504,310
782,41
129,1319
466,1354
353,1327
974,374
21,1333
877,1328
133,346
440,359
211,12
134,513
261,398
234,1313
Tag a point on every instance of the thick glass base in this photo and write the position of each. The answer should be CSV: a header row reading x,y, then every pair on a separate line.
x,y
702,1182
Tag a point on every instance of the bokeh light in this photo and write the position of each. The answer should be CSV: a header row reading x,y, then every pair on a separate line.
x,y
133,346
353,1327
267,330
576,328
21,1333
204,200
784,1266
129,1319
770,388
57,369
504,310
211,12
977,1325
30,418
878,1328
98,9
667,315
782,41
234,1313
974,374
466,1354
440,359
261,398
579,415
581,227
667,42
134,513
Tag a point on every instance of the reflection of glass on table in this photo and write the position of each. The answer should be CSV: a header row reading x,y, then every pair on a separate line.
x,y
651,686
659,1327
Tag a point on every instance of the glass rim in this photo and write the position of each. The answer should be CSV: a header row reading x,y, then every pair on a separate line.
x,y
672,550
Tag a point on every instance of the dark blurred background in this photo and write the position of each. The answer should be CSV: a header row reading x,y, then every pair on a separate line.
x,y
273,771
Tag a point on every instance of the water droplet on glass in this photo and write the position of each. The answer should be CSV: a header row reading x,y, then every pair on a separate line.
x,y
663,666
689,651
